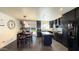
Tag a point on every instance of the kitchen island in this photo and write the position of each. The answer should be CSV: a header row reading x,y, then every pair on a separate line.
x,y
47,38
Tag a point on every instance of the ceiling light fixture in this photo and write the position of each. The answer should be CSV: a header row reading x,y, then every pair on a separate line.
x,y
61,11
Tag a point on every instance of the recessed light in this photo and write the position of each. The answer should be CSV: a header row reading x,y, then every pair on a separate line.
x,y
61,9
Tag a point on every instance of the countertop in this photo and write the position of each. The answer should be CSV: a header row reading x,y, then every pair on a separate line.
x,y
46,33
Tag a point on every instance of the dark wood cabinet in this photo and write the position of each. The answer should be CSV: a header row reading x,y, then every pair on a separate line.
x,y
56,22
51,24
38,24
69,16
77,13
70,36
59,21
38,28
65,19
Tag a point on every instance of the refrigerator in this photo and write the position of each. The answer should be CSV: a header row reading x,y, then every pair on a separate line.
x,y
73,35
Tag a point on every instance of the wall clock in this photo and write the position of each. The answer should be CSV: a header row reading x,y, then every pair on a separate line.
x,y
11,24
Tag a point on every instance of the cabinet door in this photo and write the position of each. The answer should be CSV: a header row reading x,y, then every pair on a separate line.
x,y
51,24
56,22
59,21
70,16
77,13
38,28
38,24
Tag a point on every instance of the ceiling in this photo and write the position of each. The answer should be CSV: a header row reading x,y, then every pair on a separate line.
x,y
35,13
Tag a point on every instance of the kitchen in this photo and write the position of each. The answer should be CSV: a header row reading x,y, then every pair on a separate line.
x,y
43,24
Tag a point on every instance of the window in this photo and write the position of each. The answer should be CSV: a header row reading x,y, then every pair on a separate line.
x,y
45,25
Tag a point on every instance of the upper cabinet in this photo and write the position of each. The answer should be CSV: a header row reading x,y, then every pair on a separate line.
x,y
51,24
77,13
69,16
38,24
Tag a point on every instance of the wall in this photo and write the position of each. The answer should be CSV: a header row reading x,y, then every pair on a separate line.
x,y
7,35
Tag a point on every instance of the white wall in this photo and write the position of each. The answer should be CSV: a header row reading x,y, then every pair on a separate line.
x,y
7,35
